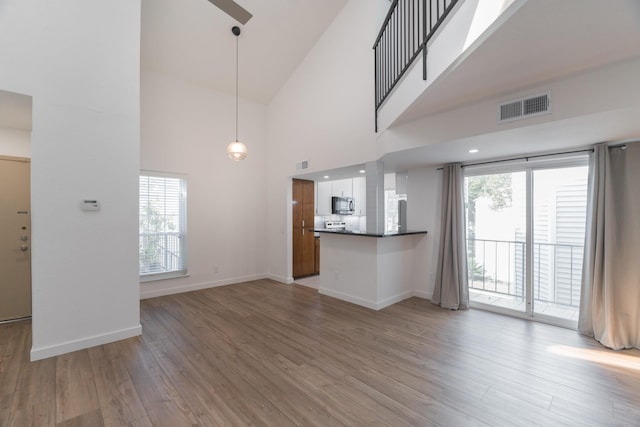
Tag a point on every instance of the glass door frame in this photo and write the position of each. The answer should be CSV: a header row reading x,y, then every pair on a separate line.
x,y
528,167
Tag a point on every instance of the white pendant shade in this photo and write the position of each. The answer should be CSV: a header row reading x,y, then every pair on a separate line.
x,y
237,151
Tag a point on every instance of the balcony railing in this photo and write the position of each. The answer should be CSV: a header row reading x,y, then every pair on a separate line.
x,y
160,253
498,266
407,28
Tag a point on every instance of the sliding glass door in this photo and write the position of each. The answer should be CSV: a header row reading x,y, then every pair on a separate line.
x,y
496,239
525,239
559,216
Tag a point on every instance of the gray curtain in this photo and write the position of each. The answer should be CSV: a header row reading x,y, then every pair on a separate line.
x,y
610,298
451,287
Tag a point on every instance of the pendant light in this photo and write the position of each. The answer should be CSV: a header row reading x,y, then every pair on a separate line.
x,y
236,150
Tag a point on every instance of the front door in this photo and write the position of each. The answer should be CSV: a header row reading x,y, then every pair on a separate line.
x,y
15,238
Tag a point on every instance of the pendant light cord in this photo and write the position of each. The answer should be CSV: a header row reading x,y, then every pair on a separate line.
x,y
237,88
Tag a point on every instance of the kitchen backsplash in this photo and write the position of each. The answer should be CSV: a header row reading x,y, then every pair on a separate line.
x,y
352,222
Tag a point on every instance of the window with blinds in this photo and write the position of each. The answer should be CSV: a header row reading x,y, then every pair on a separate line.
x,y
163,225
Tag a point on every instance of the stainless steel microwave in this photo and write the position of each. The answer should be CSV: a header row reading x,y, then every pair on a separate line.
x,y
342,206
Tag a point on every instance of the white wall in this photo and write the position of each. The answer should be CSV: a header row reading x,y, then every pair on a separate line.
x,y
15,142
423,213
80,62
323,114
593,106
186,129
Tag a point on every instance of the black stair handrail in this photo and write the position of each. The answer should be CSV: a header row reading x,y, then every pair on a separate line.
x,y
407,28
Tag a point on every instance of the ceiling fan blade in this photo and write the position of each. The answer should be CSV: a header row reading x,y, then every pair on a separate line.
x,y
233,9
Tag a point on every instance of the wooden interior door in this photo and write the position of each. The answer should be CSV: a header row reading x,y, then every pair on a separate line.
x,y
303,241
15,238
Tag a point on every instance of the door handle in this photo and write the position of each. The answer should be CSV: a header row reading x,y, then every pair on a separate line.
x,y
24,248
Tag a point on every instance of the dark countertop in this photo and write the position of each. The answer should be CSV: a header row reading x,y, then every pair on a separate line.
x,y
364,233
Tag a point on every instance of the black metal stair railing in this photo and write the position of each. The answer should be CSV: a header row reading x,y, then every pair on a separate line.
x,y
406,30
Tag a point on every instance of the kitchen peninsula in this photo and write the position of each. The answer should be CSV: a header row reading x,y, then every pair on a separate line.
x,y
373,270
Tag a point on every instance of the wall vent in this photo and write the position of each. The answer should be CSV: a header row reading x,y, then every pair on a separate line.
x,y
302,165
524,108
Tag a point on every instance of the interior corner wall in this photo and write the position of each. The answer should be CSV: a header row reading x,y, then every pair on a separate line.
x,y
80,63
186,129
423,213
323,114
15,142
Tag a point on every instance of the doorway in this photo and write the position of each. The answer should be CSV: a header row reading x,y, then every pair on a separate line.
x,y
525,239
15,244
305,261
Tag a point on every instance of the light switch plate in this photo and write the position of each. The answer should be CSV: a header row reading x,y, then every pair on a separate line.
x,y
90,205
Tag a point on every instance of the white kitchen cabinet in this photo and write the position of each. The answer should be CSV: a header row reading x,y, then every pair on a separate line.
x,y
360,195
323,201
342,188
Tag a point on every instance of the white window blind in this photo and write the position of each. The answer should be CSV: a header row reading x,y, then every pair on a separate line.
x,y
163,225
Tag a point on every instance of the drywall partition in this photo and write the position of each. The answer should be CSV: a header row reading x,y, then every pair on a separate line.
x,y
423,213
323,114
80,63
186,129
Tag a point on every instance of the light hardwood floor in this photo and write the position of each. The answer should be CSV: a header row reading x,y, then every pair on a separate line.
x,y
263,353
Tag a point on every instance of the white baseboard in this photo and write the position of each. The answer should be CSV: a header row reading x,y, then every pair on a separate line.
x,y
349,298
281,279
152,293
394,299
421,294
379,305
68,347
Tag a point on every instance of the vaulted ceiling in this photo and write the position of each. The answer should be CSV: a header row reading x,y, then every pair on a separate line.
x,y
192,40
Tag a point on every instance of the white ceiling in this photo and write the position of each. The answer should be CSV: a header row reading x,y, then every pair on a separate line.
x,y
192,40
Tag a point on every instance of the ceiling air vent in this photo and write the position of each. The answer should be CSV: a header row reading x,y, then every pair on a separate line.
x,y
524,108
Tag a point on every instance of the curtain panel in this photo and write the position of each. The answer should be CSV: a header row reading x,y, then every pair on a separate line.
x,y
610,297
451,287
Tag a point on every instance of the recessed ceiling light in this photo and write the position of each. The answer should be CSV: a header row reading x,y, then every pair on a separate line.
x,y
473,150
362,171
326,176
